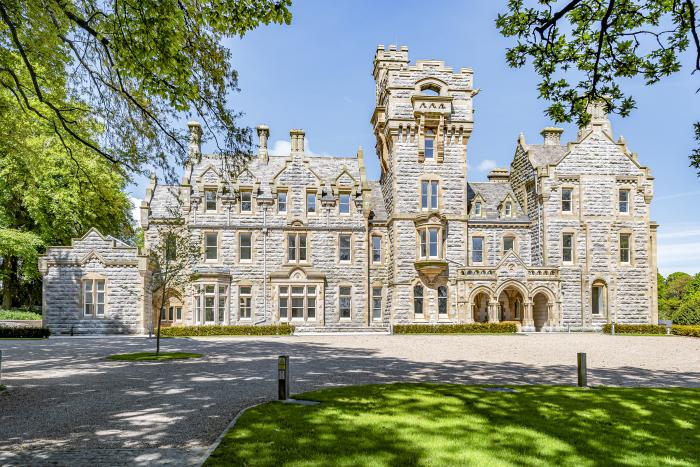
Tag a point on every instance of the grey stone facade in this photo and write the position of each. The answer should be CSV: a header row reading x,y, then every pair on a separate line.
x,y
449,250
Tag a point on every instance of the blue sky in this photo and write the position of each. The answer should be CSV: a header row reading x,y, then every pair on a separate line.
x,y
316,74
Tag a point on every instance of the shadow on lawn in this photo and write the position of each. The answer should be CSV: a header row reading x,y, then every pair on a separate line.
x,y
184,404
424,424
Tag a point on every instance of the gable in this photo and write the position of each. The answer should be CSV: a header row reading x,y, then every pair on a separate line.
x,y
597,154
297,173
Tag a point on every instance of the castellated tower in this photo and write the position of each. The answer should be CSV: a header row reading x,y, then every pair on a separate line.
x,y
422,121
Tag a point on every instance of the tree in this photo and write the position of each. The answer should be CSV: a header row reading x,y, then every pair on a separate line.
x,y
601,43
172,253
135,68
48,199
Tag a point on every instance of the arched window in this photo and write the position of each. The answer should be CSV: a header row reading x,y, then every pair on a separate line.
x,y
430,90
418,301
442,300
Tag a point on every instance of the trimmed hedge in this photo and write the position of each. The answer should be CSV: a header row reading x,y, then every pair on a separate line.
x,y
19,315
471,328
19,333
692,331
215,330
635,329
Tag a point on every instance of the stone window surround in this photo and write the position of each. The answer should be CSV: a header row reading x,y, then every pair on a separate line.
x,y
446,315
250,295
440,242
569,189
297,261
507,201
198,300
287,200
317,295
516,248
341,286
314,192
574,258
630,190
484,251
423,315
246,189
606,307
430,178
630,233
218,246
472,210
92,276
381,297
381,248
217,199
252,246
337,248
348,193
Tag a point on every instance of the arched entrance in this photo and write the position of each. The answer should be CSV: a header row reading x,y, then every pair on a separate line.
x,y
480,308
540,310
510,304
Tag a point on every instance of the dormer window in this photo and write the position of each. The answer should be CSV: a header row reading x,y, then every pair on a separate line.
x,y
477,209
246,201
508,209
429,144
210,200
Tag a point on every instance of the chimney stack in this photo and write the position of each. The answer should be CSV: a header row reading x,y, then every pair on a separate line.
x,y
195,149
297,140
263,134
499,175
552,136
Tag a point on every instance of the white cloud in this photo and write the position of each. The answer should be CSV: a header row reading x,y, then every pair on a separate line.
x,y
136,210
283,148
486,165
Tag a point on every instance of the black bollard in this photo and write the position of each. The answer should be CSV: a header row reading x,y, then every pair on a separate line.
x,y
283,377
582,376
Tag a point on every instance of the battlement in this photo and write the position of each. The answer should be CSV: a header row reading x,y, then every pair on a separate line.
x,y
391,58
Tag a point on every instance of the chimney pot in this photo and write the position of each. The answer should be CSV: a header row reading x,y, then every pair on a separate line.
x,y
263,134
297,137
552,136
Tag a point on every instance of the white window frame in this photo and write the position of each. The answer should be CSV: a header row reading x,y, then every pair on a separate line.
x,y
512,239
477,208
446,299
482,250
341,249
429,195
297,248
249,235
249,195
572,247
626,202
245,302
208,247
281,203
377,249
377,301
346,203
418,299
429,149
220,303
89,288
311,196
622,250
570,200
208,191
310,299
348,297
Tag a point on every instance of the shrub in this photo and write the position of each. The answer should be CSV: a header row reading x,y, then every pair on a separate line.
x,y
635,329
18,333
688,313
471,328
692,331
19,315
216,330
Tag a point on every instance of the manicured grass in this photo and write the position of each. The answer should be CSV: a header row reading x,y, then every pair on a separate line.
x,y
144,356
19,315
443,424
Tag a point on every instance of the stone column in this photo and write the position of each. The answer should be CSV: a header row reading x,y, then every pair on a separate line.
x,y
528,321
493,311
551,319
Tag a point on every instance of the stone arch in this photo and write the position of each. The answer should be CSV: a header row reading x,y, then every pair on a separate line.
x,y
432,83
516,285
545,290
542,309
477,309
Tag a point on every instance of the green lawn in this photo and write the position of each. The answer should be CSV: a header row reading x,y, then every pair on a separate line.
x,y
447,425
144,356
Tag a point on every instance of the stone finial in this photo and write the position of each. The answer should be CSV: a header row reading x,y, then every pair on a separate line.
x,y
195,149
552,136
297,140
598,111
499,175
263,135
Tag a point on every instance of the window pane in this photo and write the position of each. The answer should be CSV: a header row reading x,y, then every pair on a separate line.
x,y
418,299
298,290
291,247
311,307
100,285
429,144
423,245
442,300
284,290
508,243
211,245
566,199
345,302
376,249
376,303
595,301
424,194
246,252
246,201
477,249
283,307
434,195
297,307
311,290
344,203
567,247
302,247
344,248
509,209
178,313
624,201
311,202
477,208
210,198
209,308
433,243
624,248
281,202
209,289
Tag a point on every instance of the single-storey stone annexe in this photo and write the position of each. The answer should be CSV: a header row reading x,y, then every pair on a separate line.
x,y
561,239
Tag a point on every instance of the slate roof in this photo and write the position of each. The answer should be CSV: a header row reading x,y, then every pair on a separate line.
x,y
493,193
542,155
376,201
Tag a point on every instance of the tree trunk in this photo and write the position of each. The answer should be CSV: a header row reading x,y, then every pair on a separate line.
x,y
7,282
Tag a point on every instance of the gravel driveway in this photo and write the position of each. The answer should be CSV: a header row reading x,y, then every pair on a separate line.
x,y
67,405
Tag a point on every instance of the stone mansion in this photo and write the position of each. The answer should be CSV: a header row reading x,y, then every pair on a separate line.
x,y
561,239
